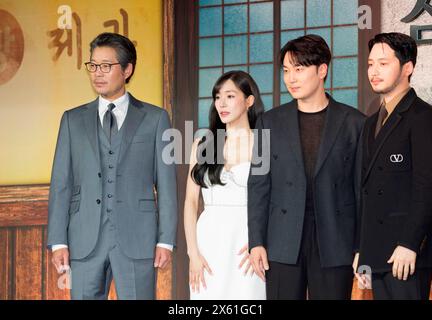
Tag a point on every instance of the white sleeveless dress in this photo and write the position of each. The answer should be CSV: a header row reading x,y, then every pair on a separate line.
x,y
221,233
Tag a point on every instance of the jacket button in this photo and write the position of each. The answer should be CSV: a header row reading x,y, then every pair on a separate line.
x,y
380,192
99,175
284,211
110,196
98,201
110,166
111,152
109,210
110,181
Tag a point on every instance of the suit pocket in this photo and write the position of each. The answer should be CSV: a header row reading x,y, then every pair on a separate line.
x,y
140,139
74,206
76,192
146,205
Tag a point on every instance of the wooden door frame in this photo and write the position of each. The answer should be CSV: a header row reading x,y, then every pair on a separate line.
x,y
368,101
185,101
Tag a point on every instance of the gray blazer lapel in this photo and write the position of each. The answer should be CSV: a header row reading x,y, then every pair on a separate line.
x,y
90,118
333,122
134,117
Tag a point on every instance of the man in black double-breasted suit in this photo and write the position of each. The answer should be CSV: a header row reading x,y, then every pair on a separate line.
x,y
302,212
396,193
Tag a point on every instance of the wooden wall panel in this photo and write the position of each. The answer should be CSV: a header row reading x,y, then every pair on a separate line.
x,y
112,294
28,263
23,205
52,290
4,263
51,286
31,213
164,283
360,294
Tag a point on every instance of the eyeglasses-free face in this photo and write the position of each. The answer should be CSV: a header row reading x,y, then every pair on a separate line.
x,y
303,82
386,75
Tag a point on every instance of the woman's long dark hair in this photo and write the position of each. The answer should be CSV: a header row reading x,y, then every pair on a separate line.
x,y
247,85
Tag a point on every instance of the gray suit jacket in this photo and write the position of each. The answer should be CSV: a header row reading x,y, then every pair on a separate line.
x,y
76,186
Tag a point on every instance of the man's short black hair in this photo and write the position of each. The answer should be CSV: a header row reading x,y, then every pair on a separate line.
x,y
404,46
309,50
125,49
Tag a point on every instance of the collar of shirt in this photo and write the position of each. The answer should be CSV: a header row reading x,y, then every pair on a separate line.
x,y
392,104
120,111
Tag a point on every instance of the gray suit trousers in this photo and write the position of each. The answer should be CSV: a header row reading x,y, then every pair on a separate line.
x,y
91,277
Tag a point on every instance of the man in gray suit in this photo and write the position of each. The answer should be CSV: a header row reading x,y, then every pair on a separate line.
x,y
105,220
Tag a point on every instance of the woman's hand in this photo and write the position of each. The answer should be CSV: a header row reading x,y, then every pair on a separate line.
x,y
245,259
197,265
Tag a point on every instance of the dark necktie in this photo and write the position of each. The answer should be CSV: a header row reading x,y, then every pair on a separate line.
x,y
109,122
382,115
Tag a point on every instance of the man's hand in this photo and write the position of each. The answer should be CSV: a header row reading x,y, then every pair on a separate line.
x,y
404,261
60,259
355,264
258,258
162,257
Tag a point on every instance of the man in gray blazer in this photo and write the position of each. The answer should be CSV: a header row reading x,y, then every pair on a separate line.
x,y
113,200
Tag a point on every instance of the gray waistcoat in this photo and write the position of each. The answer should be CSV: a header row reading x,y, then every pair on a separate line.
x,y
109,159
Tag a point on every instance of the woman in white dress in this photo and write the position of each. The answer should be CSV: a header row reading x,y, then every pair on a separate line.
x,y
219,265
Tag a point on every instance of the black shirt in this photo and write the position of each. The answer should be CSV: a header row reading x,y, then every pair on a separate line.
x,y
311,127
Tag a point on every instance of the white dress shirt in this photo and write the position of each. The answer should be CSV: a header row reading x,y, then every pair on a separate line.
x,y
120,111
